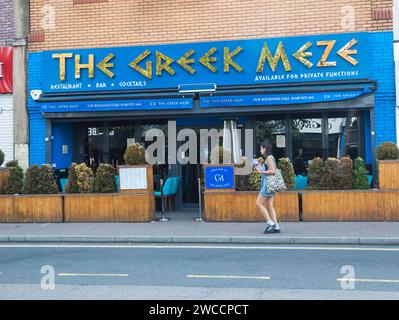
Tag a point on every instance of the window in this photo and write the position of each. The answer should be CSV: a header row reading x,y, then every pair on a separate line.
x,y
273,131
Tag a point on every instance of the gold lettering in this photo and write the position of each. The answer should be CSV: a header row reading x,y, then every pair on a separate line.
x,y
323,63
62,57
228,59
206,59
163,66
104,65
147,72
344,52
273,61
79,66
301,54
183,61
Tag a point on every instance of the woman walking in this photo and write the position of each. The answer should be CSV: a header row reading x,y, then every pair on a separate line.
x,y
265,199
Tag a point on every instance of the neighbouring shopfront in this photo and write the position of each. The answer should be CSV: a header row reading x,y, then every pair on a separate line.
x,y
6,103
324,95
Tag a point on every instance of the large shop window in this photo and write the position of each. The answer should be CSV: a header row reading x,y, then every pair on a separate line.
x,y
307,142
272,130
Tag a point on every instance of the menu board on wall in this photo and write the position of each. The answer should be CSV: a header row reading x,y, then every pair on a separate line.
x,y
133,178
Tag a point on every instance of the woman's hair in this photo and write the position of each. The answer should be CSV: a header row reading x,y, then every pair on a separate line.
x,y
268,146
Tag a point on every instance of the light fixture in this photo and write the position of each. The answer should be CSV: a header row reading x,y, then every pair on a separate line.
x,y
197,87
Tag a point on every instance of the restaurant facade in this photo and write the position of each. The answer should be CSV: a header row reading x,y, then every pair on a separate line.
x,y
327,94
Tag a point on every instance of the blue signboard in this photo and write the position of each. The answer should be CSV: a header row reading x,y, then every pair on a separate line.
x,y
219,177
276,99
116,105
241,62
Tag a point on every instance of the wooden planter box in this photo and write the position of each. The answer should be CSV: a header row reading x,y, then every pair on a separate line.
x,y
345,205
113,207
4,174
388,174
31,208
149,179
238,206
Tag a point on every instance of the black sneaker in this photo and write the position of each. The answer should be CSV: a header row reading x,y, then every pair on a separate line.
x,y
271,229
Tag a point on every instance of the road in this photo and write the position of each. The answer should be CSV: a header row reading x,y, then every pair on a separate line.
x,y
197,272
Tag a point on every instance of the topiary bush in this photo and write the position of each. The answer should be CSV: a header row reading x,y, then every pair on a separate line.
x,y
135,155
32,178
47,181
360,179
1,158
242,182
72,185
254,181
104,181
330,179
80,179
345,174
287,171
15,181
387,151
220,155
315,174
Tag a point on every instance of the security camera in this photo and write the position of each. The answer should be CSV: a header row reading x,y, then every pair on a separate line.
x,y
36,94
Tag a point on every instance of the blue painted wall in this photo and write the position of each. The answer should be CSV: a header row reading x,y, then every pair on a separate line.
x,y
381,68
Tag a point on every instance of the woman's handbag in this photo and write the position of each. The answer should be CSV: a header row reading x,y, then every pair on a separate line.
x,y
275,182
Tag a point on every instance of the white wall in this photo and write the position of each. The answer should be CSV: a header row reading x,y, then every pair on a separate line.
x,y
6,126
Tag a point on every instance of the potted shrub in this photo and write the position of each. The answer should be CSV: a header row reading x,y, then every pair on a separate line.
x,y
80,179
104,181
32,178
15,180
4,173
345,174
136,175
360,179
388,165
288,173
315,174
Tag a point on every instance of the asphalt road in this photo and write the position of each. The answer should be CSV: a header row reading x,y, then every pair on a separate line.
x,y
197,272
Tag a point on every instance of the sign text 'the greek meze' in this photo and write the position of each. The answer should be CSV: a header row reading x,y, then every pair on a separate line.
x,y
299,59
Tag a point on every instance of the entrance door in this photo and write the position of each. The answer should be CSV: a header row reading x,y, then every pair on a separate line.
x,y
192,171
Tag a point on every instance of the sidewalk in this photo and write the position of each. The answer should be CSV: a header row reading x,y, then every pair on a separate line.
x,y
183,229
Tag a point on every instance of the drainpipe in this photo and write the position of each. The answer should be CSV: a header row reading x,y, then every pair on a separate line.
x,y
21,121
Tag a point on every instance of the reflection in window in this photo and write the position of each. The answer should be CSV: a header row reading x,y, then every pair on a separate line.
x,y
343,137
307,142
274,131
120,136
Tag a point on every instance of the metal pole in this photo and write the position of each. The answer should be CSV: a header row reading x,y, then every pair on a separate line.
x,y
163,219
199,202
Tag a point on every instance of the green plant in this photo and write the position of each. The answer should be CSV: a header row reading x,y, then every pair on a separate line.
x,y
287,171
104,181
220,155
135,155
345,173
12,164
15,181
32,178
80,179
315,174
242,182
360,180
47,182
72,185
387,151
255,179
330,179
1,158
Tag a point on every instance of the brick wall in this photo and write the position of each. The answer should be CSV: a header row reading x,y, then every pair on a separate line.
x,y
381,65
57,24
6,21
37,124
